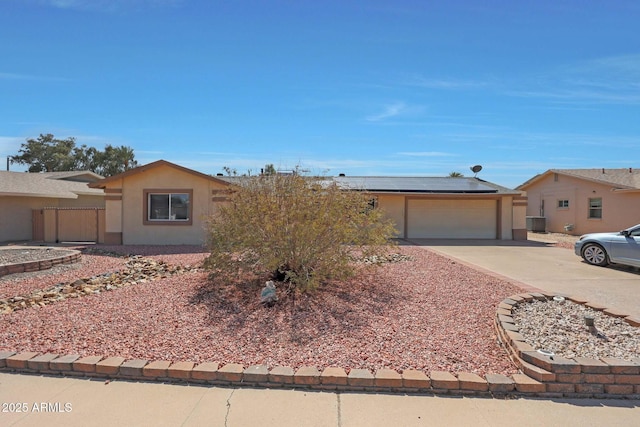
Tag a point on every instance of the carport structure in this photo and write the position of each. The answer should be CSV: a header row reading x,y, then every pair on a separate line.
x,y
446,207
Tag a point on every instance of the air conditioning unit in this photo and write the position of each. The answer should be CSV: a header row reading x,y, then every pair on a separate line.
x,y
537,224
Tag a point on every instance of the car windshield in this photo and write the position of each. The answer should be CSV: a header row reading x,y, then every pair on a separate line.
x,y
632,231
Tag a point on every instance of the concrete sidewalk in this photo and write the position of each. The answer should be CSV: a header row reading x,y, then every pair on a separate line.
x,y
549,268
55,401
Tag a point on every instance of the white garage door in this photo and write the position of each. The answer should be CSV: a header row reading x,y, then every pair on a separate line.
x,y
452,219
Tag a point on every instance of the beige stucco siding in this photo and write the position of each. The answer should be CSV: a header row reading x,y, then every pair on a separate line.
x,y
16,218
164,178
619,209
393,207
15,221
113,223
505,218
81,202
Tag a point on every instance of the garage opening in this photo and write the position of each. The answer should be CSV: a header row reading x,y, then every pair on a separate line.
x,y
452,219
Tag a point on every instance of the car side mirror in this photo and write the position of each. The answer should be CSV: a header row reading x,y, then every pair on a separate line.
x,y
625,233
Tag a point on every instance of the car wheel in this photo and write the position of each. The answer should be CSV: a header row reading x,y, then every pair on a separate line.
x,y
595,255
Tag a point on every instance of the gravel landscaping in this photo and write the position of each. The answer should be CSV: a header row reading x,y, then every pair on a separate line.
x,y
427,313
560,327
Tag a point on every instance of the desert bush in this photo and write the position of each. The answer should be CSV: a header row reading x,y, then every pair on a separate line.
x,y
296,229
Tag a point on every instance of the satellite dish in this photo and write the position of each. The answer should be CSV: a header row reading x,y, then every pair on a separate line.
x,y
475,169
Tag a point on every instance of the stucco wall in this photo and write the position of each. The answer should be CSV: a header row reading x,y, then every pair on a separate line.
x,y
135,232
506,218
394,209
15,221
619,210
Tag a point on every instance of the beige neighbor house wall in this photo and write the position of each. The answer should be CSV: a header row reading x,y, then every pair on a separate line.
x,y
126,215
620,209
16,219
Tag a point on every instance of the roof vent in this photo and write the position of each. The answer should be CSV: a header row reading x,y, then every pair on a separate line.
x,y
219,174
602,170
341,174
630,170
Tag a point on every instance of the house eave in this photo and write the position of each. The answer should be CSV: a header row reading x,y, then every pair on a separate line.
x,y
625,190
42,195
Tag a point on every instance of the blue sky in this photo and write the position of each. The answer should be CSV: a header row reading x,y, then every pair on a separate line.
x,y
416,88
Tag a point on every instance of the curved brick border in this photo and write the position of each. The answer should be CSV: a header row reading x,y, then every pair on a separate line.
x,y
44,264
560,377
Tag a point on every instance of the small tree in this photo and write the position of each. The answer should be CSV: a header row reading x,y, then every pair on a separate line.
x,y
293,228
455,175
47,154
269,169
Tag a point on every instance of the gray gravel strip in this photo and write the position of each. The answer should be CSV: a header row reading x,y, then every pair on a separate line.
x,y
560,327
23,255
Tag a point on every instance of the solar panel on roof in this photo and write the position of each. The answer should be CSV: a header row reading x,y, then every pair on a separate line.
x,y
416,184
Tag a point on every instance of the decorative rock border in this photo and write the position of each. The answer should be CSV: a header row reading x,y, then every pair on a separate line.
x,y
44,264
232,374
560,377
137,269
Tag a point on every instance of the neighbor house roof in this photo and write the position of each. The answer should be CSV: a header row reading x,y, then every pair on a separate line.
x,y
150,166
61,185
619,179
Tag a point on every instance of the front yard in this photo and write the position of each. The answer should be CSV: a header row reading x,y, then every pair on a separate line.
x,y
429,313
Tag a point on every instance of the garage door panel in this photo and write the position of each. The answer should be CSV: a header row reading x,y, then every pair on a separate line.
x,y
447,219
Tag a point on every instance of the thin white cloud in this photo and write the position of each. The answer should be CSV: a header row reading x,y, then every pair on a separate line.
x,y
10,141
445,84
582,96
425,154
109,5
30,77
607,80
390,111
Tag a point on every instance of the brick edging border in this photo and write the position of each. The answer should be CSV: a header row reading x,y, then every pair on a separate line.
x,y
232,374
540,376
44,264
560,377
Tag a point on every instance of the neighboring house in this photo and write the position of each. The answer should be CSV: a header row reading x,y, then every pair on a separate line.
x,y
163,203
24,195
580,201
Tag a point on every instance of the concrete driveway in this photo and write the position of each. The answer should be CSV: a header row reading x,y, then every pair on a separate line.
x,y
549,268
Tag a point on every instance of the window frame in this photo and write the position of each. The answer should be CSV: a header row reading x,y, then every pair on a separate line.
x,y
563,204
166,191
593,209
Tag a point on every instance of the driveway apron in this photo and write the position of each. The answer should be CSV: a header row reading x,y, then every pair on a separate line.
x,y
547,267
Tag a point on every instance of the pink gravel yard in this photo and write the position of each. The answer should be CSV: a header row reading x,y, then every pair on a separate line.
x,y
430,314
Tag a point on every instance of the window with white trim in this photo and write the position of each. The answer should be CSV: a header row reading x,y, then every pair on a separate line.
x,y
595,208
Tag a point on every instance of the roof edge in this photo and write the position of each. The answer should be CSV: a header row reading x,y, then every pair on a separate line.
x,y
103,182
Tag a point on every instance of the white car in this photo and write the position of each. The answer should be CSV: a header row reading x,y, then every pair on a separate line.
x,y
601,249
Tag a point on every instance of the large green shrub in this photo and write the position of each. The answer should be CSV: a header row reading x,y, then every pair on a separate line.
x,y
298,229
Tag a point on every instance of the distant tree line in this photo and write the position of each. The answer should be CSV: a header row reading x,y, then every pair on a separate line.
x,y
49,154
